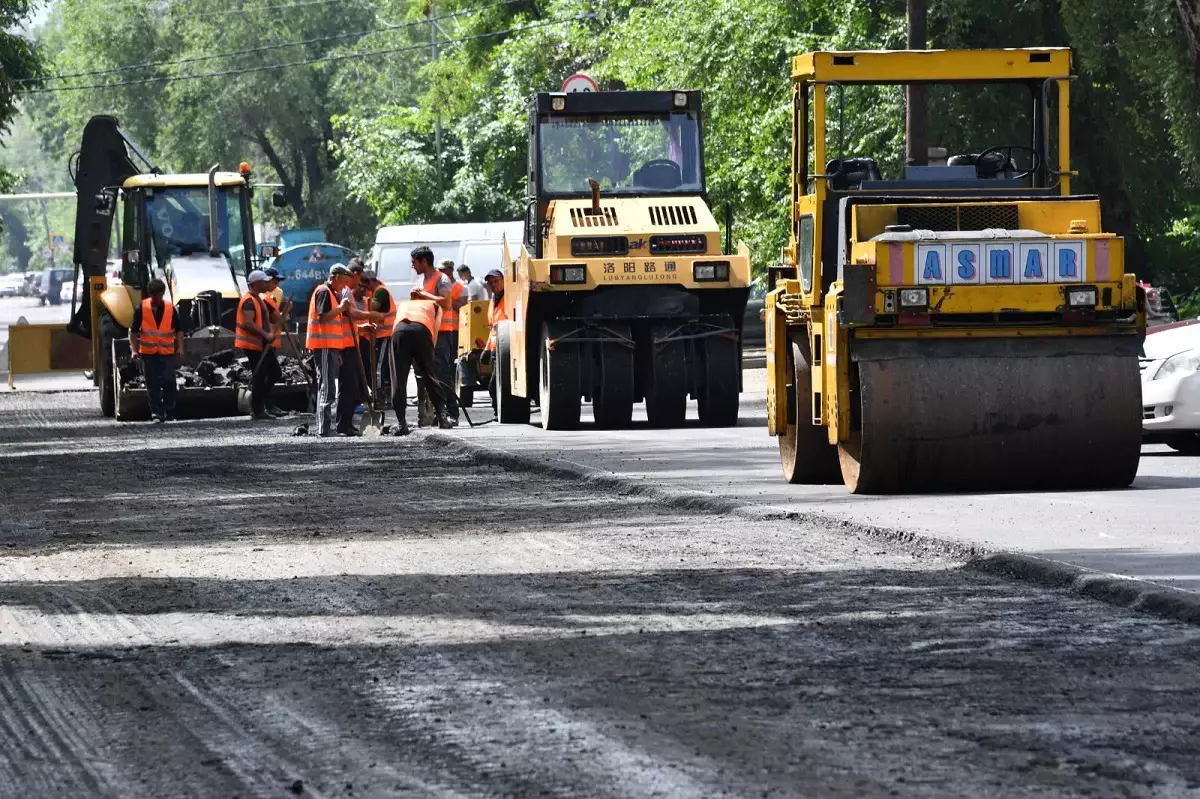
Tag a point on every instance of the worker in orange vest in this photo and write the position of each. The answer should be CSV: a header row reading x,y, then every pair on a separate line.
x,y
497,312
434,285
331,318
414,338
380,300
254,335
282,308
155,339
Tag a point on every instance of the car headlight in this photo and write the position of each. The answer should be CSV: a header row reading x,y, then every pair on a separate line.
x,y
1179,365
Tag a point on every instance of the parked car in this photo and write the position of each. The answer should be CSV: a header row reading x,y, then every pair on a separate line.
x,y
67,291
10,285
1171,386
50,285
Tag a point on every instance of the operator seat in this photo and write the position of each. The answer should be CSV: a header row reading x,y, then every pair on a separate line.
x,y
994,166
659,174
846,174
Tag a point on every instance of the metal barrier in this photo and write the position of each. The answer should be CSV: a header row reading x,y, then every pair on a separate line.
x,y
37,349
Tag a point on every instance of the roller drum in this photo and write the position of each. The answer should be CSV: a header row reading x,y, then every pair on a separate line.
x,y
1000,414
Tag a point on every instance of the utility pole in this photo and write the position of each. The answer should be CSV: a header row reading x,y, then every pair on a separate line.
x,y
437,119
917,151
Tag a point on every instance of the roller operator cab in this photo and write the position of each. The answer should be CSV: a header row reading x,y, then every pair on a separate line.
x,y
621,290
966,324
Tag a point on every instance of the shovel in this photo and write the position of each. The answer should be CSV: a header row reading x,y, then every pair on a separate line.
x,y
372,420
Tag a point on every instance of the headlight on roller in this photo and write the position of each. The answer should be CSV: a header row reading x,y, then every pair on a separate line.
x,y
914,298
1179,365
1081,297
571,273
710,271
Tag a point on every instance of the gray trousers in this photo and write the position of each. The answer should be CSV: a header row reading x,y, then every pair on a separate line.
x,y
328,363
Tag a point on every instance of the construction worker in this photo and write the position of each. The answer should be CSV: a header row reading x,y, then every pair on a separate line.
x,y
155,339
380,300
497,312
282,308
435,286
472,285
414,338
331,315
254,336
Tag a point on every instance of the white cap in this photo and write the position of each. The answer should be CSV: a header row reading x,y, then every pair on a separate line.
x,y
256,276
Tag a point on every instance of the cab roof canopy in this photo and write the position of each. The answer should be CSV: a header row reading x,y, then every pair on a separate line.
x,y
933,66
616,103
167,181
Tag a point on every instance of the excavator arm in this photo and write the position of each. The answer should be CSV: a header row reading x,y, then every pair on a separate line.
x,y
102,164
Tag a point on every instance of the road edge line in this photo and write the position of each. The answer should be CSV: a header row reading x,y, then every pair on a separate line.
x,y
1112,589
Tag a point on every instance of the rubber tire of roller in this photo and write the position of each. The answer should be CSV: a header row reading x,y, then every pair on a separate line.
x,y
559,395
463,387
805,453
665,380
612,397
720,389
510,409
1184,443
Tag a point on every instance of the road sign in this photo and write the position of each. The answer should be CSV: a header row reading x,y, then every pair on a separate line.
x,y
580,83
58,241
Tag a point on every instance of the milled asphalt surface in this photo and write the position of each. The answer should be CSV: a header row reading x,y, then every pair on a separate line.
x,y
1150,531
218,608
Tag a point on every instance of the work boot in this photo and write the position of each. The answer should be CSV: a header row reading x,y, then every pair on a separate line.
x,y
277,412
262,416
402,430
349,431
444,422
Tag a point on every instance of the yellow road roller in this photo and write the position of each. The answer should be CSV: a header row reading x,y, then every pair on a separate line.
x,y
621,289
963,324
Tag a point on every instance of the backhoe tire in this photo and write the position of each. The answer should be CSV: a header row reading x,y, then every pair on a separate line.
x,y
720,382
804,449
510,409
560,393
612,394
664,379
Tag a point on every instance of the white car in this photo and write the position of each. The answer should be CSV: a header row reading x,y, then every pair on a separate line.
x,y
66,292
1171,386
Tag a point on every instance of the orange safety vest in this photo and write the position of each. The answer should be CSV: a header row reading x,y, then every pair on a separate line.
x,y
333,335
424,312
269,300
384,330
449,320
156,338
244,338
496,314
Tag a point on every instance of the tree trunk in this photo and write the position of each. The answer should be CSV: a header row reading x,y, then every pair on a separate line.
x,y
1189,14
293,181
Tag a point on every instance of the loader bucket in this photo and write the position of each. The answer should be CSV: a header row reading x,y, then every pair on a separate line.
x,y
999,414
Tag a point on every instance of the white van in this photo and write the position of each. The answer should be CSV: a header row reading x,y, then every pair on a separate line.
x,y
476,244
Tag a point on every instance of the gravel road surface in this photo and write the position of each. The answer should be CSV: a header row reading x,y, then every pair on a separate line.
x,y
218,609
1150,531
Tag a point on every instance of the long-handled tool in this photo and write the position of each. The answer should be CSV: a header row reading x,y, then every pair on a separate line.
x,y
372,420
312,393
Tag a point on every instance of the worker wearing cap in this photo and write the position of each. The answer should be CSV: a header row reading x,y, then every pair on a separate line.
x,y
331,315
435,286
254,335
156,339
414,338
497,312
282,307
380,300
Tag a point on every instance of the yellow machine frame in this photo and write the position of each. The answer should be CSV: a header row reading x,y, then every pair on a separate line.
x,y
816,306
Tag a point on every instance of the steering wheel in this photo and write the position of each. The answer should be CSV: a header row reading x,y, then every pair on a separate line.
x,y
663,167
1006,150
